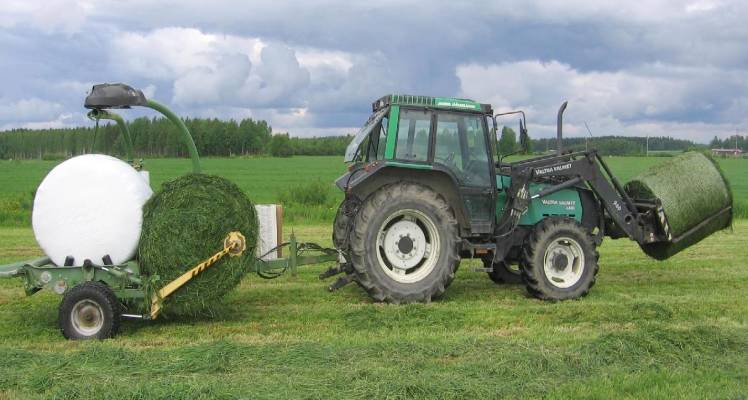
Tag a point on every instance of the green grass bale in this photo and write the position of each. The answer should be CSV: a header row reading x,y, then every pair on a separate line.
x,y
184,224
692,188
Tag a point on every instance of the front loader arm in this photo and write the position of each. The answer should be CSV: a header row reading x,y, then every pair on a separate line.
x,y
588,168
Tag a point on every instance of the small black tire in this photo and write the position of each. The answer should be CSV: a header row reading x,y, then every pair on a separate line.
x,y
89,310
502,273
560,260
393,208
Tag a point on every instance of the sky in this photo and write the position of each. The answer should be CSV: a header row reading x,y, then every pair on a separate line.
x,y
313,68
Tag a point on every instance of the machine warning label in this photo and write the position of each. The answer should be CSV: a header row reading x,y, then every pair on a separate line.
x,y
555,168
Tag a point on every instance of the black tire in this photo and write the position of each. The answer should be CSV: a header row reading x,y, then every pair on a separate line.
x,y
563,237
366,254
503,273
96,306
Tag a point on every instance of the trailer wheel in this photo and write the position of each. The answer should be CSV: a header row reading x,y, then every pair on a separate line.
x,y
503,273
560,260
404,244
89,311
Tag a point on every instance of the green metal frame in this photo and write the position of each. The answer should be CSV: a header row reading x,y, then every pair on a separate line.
x,y
105,114
186,136
125,279
41,274
98,114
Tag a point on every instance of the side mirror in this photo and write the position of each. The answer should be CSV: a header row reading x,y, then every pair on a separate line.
x,y
114,95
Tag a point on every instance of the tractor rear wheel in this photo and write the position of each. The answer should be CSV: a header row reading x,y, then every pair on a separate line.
x,y
560,260
404,244
89,310
502,273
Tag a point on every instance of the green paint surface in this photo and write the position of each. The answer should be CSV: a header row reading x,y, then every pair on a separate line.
x,y
409,165
394,120
460,104
565,203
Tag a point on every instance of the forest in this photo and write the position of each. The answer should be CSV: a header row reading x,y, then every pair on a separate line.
x,y
157,137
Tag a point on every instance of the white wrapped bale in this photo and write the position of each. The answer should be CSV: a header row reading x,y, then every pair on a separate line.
x,y
89,207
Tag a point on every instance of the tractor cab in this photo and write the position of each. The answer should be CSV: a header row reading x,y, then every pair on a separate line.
x,y
443,142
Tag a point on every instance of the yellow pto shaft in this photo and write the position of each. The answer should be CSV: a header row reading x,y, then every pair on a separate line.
x,y
233,245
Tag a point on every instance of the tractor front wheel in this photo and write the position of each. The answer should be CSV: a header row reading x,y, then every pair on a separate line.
x,y
560,260
404,244
502,273
89,310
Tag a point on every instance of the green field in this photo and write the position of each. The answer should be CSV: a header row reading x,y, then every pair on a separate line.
x,y
648,329
660,330
265,179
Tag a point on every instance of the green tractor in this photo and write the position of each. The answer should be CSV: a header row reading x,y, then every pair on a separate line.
x,y
424,190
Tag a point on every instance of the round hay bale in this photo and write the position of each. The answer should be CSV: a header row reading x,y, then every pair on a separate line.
x,y
184,224
692,188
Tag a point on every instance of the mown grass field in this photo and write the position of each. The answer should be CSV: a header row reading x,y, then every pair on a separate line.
x,y
648,329
656,330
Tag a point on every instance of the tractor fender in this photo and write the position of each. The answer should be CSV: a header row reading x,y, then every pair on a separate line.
x,y
362,182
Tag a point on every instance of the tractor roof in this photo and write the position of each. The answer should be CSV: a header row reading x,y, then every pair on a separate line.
x,y
431,102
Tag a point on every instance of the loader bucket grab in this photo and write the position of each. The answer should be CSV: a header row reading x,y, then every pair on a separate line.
x,y
695,200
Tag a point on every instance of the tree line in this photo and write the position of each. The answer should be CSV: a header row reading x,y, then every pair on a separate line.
x,y
158,137
607,145
734,141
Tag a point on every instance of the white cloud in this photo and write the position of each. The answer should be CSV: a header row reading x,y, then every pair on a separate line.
x,y
210,69
316,58
28,109
702,6
164,53
149,91
62,121
49,16
647,100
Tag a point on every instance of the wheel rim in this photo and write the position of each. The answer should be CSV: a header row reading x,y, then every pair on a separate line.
x,y
563,262
408,246
87,317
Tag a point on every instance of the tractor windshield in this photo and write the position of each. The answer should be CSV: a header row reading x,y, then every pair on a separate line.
x,y
355,148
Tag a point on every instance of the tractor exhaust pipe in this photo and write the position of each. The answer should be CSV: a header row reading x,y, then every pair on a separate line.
x,y
560,128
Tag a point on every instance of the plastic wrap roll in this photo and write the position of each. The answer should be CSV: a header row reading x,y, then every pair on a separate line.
x,y
89,207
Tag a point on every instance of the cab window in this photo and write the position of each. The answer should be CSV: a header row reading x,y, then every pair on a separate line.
x,y
378,141
461,147
413,132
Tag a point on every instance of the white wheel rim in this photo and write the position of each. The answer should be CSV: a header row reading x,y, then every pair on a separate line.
x,y
87,317
563,262
407,246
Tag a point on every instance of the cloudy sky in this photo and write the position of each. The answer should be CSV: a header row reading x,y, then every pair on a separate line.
x,y
676,68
